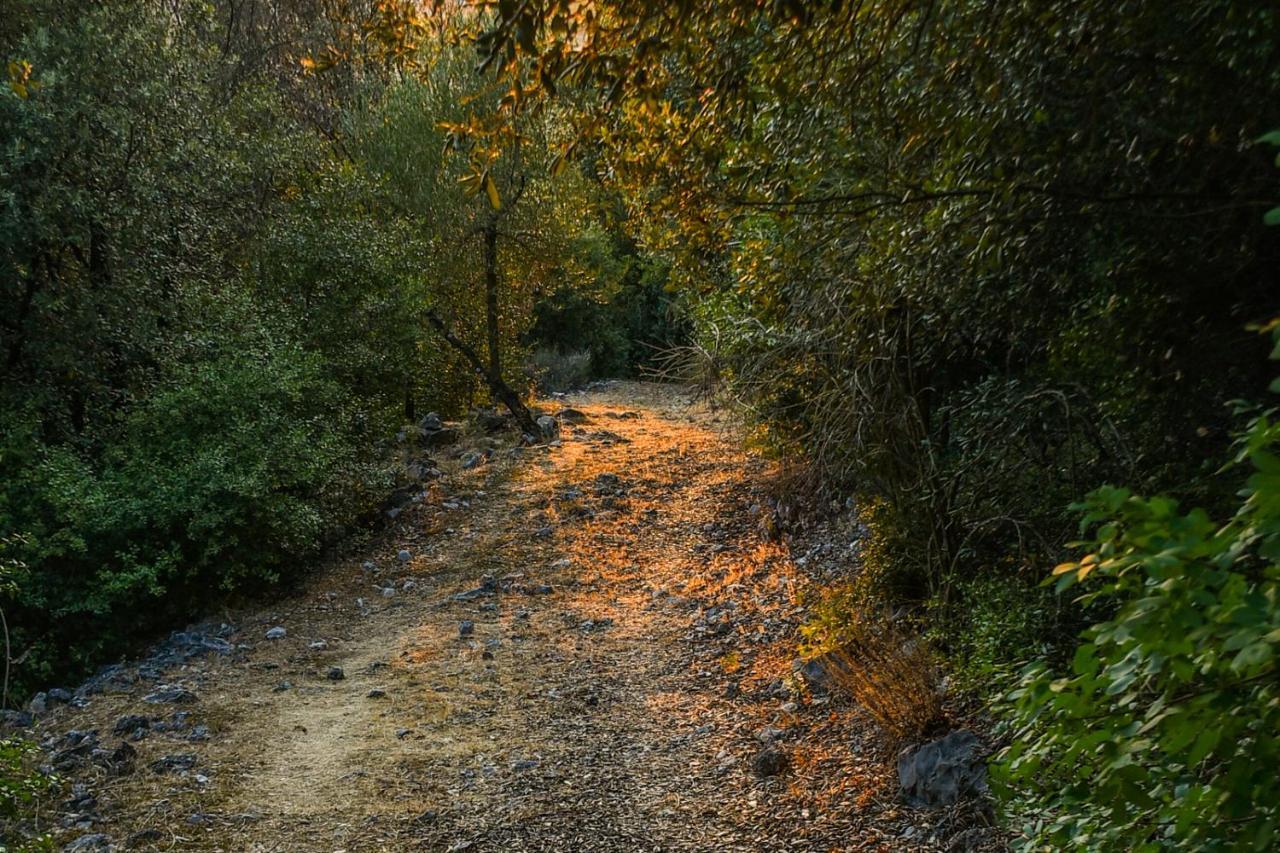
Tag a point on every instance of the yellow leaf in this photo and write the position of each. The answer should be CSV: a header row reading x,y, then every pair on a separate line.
x,y
1063,568
558,165
492,189
20,78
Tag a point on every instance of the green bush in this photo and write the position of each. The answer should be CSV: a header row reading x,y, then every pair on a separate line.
x,y
993,624
1165,732
23,789
232,475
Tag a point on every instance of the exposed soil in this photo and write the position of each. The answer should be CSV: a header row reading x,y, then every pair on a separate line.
x,y
613,694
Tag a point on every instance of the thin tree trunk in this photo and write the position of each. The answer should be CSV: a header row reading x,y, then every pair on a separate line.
x,y
501,392
491,296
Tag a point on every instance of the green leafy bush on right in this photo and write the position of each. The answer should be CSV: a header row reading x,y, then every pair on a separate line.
x,y
1164,733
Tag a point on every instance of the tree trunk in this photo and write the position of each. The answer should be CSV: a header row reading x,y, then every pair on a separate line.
x,y
499,389
491,296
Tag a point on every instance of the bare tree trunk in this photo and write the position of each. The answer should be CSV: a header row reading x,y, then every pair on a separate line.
x,y
491,296
500,390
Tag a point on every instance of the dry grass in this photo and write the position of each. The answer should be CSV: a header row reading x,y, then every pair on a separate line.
x,y
891,675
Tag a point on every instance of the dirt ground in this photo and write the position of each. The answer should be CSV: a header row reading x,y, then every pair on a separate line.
x,y
628,658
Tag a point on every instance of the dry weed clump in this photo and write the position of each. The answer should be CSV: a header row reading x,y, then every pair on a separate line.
x,y
891,674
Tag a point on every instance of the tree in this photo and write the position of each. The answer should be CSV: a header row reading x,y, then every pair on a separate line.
x,y
496,225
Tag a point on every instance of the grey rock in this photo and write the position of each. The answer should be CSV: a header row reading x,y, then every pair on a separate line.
x,y
431,422
118,761
277,633
318,646
335,673
466,628
769,761
16,719
404,556
376,693
768,734
131,723
571,416
57,694
548,427
96,841
471,459
941,772
39,704
814,672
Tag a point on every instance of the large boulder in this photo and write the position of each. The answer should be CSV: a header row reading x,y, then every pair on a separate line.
x,y
942,771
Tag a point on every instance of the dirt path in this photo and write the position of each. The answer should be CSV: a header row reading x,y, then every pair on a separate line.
x,y
631,643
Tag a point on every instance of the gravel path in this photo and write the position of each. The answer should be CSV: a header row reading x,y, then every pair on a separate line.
x,y
589,647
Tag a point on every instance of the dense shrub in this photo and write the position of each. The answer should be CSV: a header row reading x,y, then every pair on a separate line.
x,y
1165,731
232,474
615,305
219,280
959,254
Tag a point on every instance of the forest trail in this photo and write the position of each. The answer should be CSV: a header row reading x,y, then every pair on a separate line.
x,y
631,651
